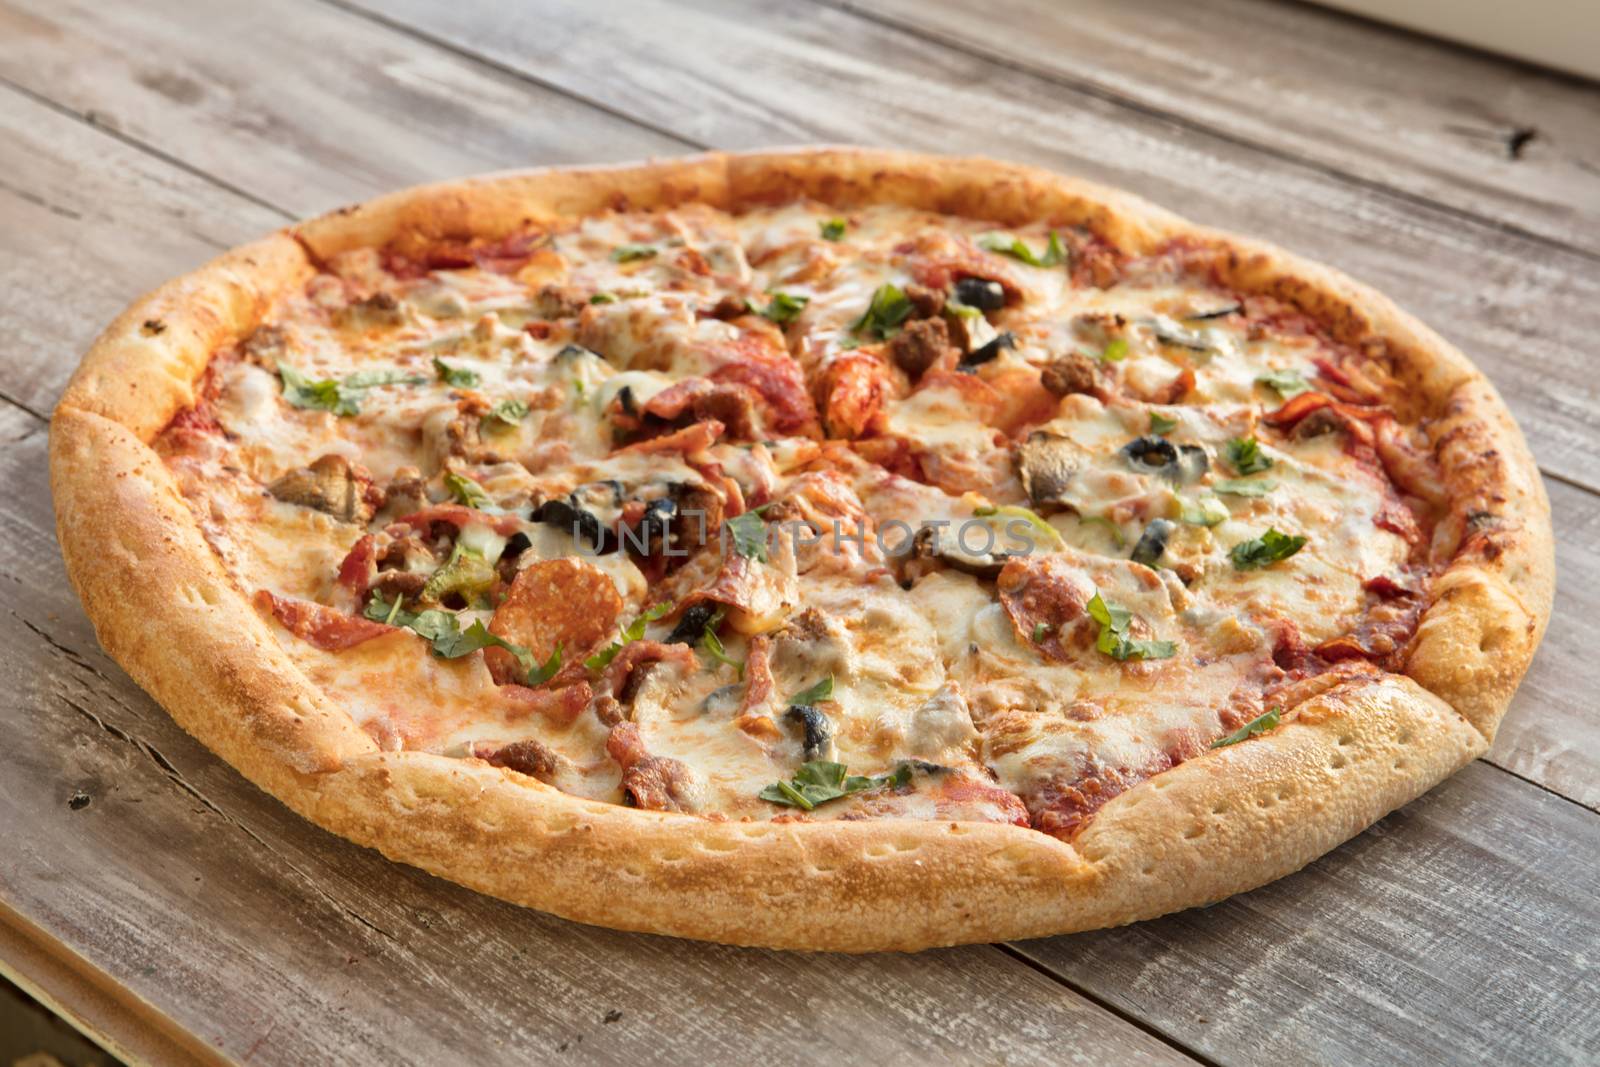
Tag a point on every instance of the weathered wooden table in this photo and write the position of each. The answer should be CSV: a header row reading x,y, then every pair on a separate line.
x,y
166,907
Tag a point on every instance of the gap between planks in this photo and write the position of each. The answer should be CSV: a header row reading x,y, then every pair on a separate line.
x,y
1087,87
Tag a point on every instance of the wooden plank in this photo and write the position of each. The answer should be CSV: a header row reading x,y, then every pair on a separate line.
x,y
88,224
770,71
1397,109
273,942
1551,734
1462,929
366,110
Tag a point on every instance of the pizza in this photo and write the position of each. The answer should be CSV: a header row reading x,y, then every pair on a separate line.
x,y
821,549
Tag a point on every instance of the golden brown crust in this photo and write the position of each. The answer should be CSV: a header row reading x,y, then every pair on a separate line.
x,y
1217,824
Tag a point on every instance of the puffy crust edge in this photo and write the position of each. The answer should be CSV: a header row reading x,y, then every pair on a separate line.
x,y
1221,823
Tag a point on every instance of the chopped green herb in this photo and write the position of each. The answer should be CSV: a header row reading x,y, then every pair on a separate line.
x,y
749,533
1115,350
1288,383
1017,248
1114,640
888,309
820,781
342,397
460,377
1040,631
1271,547
1162,424
1259,725
1246,486
962,311
1246,457
443,630
603,298
630,633
833,229
785,308
1032,518
713,645
629,252
823,690
507,414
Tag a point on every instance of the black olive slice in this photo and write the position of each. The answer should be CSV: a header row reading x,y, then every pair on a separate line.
x,y
1153,542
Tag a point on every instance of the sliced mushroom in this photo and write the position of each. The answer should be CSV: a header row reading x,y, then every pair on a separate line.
x,y
818,727
933,543
1046,464
330,485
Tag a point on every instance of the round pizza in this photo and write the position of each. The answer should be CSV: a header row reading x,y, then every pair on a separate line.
x,y
822,549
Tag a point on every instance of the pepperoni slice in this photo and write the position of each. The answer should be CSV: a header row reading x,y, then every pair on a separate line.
x,y
329,630
564,602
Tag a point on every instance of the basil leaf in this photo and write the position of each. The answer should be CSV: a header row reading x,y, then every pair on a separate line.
x,y
1288,383
1246,486
630,633
823,690
322,394
1114,640
341,397
628,253
457,376
1259,725
820,781
1271,547
889,308
443,631
785,308
832,229
1246,457
1115,350
508,413
1017,248
713,646
749,532
1162,424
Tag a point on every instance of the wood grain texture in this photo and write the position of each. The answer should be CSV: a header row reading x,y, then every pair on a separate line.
x,y
87,224
1464,928
1412,114
768,71
274,942
364,110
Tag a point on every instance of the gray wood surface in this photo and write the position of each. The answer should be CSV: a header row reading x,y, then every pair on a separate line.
x,y
140,139
1393,109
